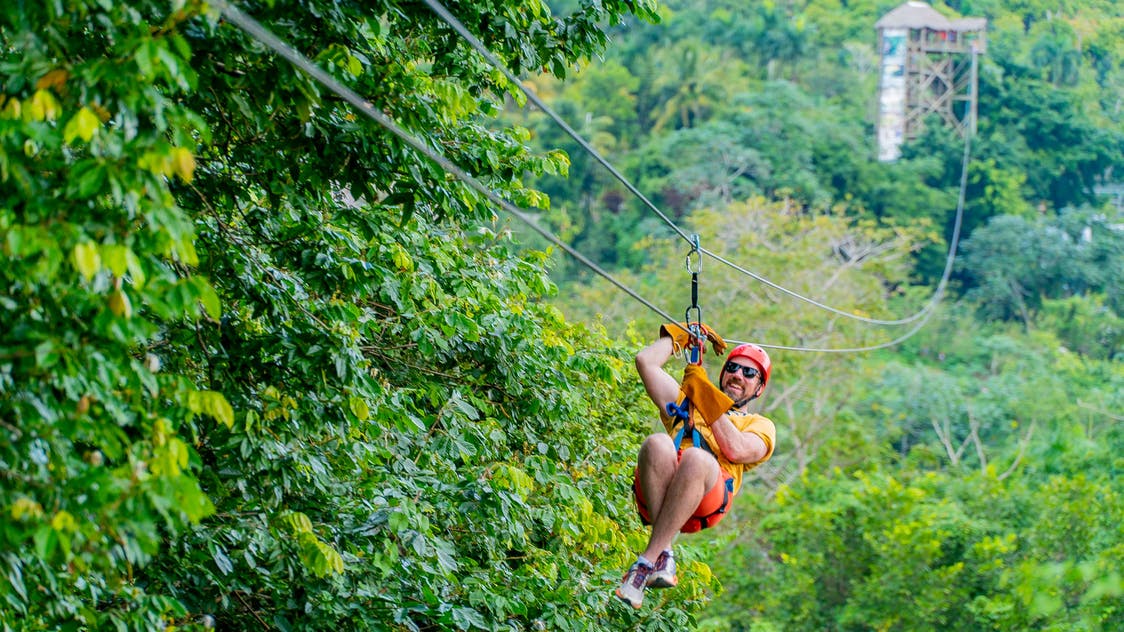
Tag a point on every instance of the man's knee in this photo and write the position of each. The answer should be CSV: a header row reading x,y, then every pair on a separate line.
x,y
657,453
658,443
696,462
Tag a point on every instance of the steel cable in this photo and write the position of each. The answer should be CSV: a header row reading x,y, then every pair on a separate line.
x,y
264,36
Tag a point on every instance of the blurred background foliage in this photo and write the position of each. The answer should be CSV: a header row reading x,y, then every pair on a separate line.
x,y
262,366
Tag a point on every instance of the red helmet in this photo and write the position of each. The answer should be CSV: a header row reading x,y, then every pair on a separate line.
x,y
755,355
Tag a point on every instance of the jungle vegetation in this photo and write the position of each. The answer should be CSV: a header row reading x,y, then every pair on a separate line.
x,y
263,365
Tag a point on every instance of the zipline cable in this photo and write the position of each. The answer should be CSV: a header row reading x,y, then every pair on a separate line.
x,y
954,244
476,44
263,35
457,26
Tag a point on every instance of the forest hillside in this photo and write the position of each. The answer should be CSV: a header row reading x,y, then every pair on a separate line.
x,y
279,351
914,478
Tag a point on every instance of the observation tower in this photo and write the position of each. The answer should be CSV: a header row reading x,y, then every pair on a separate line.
x,y
928,66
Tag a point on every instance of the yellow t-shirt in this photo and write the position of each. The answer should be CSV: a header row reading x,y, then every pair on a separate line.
x,y
746,422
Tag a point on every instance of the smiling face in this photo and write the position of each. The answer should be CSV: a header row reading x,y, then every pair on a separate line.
x,y
740,381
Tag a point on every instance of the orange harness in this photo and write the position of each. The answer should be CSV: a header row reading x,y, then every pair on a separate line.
x,y
712,507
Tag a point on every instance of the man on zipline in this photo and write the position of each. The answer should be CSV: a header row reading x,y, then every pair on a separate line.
x,y
685,483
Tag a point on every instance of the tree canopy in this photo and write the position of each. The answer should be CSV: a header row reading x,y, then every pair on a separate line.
x,y
265,366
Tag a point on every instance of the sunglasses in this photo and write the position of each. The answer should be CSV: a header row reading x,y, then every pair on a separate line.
x,y
748,371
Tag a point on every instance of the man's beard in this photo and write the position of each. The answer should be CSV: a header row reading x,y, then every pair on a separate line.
x,y
738,403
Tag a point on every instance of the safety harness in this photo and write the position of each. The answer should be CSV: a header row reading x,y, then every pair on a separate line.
x,y
681,414
694,350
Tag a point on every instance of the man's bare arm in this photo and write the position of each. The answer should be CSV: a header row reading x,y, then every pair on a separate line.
x,y
738,446
661,386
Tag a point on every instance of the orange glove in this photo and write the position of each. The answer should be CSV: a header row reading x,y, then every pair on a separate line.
x,y
705,397
681,335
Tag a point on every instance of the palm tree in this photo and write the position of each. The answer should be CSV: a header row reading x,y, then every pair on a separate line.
x,y
690,79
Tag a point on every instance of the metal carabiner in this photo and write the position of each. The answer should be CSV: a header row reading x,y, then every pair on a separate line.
x,y
694,328
695,250
694,325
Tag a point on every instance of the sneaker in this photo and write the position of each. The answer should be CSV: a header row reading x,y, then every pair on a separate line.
x,y
663,575
631,590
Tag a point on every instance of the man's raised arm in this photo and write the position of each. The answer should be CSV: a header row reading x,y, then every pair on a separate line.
x,y
661,386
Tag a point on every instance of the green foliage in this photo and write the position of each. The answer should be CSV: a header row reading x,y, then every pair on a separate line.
x,y
261,366
741,155
789,117
99,438
1048,134
1086,325
1014,264
872,549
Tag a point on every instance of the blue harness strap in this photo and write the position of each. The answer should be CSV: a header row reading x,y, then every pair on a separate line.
x,y
682,415
681,412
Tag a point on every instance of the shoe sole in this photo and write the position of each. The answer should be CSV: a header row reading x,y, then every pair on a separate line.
x,y
663,583
635,606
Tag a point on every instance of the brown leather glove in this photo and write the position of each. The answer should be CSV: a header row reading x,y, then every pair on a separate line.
x,y
680,333
711,402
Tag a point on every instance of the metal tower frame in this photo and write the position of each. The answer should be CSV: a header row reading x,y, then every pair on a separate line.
x,y
929,66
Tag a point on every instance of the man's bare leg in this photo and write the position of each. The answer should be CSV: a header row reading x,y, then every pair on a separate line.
x,y
696,474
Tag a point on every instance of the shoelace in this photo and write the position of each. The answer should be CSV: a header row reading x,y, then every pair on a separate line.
x,y
640,575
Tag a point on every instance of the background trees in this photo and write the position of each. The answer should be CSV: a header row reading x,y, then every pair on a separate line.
x,y
261,365
1015,264
1045,142
909,490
